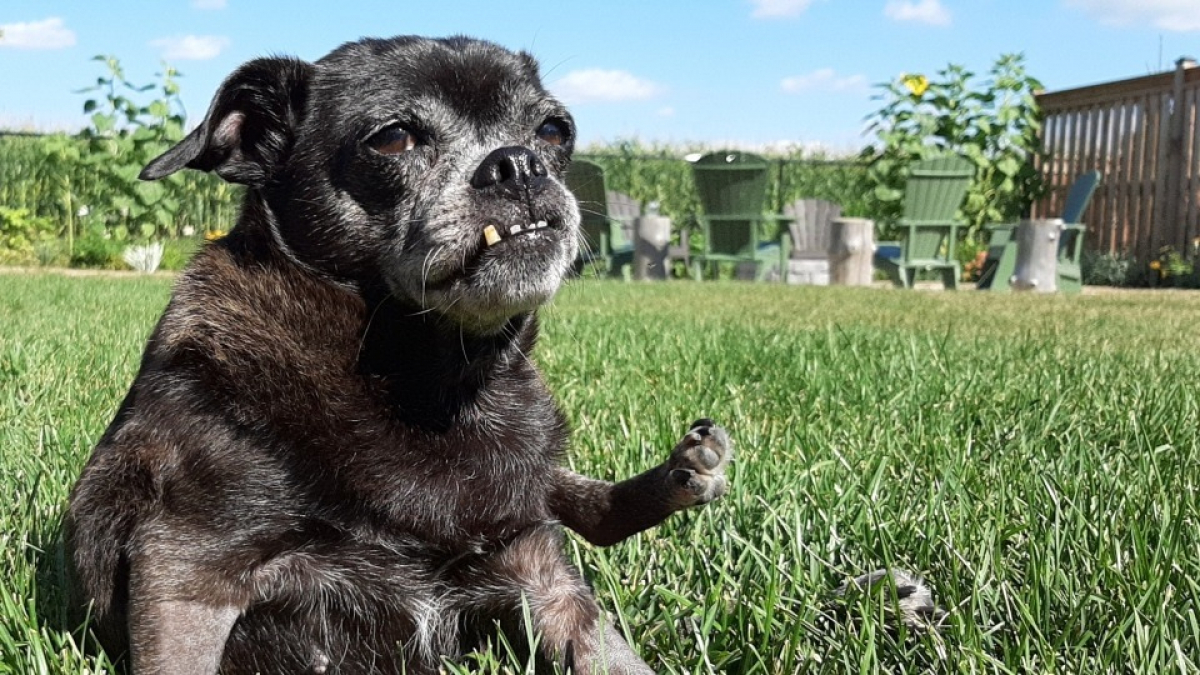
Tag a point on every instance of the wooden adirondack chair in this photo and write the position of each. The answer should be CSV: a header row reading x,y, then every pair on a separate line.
x,y
1002,246
809,224
733,188
934,191
606,219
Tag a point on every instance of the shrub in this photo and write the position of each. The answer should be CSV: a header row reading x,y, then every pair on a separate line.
x,y
49,252
995,125
1110,269
96,250
20,233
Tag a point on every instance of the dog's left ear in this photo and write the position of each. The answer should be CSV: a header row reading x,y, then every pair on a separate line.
x,y
249,128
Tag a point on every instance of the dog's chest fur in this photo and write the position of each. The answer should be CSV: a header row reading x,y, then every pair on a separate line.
x,y
346,409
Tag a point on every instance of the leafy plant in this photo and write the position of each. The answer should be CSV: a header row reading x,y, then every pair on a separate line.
x,y
1171,268
995,124
98,249
124,136
1108,269
21,232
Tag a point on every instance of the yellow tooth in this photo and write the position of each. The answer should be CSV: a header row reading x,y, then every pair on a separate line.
x,y
490,235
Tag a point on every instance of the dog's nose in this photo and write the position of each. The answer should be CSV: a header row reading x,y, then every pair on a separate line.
x,y
510,169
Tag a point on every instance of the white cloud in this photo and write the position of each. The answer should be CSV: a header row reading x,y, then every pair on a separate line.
x,y
824,79
191,47
50,33
921,11
209,4
1172,15
597,85
666,111
767,9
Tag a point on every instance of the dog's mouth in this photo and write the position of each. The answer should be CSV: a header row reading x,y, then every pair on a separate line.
x,y
499,241
494,234
530,238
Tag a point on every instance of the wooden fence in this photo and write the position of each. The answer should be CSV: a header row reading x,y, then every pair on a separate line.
x,y
1143,135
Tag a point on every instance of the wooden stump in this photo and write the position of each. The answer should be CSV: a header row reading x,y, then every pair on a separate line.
x,y
851,252
652,237
1037,255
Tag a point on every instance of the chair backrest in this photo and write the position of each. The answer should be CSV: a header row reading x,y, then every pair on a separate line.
x,y
929,242
936,188
623,210
586,181
811,223
732,187
731,183
1079,195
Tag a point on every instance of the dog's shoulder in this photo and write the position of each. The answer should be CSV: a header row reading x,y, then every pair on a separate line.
x,y
234,307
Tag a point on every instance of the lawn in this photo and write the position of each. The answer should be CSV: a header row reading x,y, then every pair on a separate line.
x,y
1034,457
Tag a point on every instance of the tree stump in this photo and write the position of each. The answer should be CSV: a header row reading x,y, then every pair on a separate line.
x,y
1037,255
652,237
851,252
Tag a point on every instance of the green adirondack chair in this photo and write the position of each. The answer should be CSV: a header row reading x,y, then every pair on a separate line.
x,y
732,187
932,195
1002,245
604,241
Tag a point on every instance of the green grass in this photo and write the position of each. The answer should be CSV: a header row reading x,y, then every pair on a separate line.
x,y
1034,457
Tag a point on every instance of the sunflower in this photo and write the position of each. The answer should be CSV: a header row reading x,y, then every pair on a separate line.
x,y
916,84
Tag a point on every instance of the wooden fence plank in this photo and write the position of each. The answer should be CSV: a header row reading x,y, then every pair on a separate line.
x,y
1143,134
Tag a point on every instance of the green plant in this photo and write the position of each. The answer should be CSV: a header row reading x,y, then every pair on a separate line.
x,y
123,137
994,124
99,250
971,255
1171,268
48,252
20,232
1109,269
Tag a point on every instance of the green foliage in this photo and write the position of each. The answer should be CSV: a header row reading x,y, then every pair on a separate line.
x,y
1109,269
1171,268
20,233
99,250
125,134
995,124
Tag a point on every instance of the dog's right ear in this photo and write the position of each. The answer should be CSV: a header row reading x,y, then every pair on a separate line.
x,y
249,128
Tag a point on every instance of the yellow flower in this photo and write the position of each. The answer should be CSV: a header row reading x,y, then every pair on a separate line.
x,y
213,235
917,84
1155,265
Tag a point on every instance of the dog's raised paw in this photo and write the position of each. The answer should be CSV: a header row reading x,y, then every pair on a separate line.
x,y
696,469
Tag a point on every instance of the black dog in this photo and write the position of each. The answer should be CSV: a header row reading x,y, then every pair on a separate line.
x,y
337,455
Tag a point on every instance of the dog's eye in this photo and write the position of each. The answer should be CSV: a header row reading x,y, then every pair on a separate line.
x,y
553,132
392,141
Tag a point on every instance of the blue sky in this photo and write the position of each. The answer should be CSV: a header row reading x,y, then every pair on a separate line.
x,y
745,72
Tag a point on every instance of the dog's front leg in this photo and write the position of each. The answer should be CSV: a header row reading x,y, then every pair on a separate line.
x,y
605,513
531,578
172,628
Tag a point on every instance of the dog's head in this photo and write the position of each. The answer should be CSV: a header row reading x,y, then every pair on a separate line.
x,y
433,165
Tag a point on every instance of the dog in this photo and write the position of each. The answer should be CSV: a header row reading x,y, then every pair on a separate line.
x,y
337,455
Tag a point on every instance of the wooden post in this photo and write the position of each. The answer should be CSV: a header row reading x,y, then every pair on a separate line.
x,y
1037,255
851,252
1170,204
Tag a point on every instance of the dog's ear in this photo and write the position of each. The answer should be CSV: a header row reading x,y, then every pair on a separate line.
x,y
249,127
